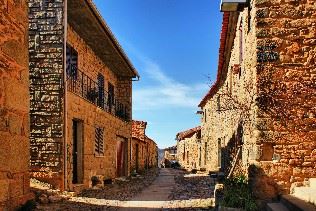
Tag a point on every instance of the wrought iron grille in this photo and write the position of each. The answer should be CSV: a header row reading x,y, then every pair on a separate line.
x,y
99,145
87,88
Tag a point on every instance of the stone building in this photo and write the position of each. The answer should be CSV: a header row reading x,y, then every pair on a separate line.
x,y
81,96
152,153
144,151
14,105
170,153
259,116
189,151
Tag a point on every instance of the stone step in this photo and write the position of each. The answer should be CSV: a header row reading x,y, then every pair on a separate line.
x,y
276,207
307,194
295,204
312,182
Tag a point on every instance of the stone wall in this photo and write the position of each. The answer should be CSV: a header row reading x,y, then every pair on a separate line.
x,y
152,153
141,155
14,105
46,48
189,153
124,93
91,117
147,148
228,114
264,100
89,62
286,43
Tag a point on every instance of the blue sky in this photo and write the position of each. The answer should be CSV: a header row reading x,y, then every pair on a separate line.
x,y
174,46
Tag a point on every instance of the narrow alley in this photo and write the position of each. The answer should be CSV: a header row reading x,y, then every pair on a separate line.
x,y
157,105
165,192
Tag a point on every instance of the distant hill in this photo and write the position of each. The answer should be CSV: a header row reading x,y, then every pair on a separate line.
x,y
161,153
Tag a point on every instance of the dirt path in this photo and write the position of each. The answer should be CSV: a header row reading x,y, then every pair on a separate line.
x,y
174,190
171,190
156,195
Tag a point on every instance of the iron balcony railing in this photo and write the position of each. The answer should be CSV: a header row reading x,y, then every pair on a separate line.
x,y
82,85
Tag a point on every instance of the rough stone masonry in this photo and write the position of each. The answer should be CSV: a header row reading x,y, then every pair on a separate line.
x,y
14,105
46,47
262,107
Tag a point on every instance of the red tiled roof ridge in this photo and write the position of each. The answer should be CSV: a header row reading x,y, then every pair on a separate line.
x,y
139,122
221,59
186,133
138,129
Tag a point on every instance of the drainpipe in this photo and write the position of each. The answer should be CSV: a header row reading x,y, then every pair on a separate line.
x,y
65,94
137,78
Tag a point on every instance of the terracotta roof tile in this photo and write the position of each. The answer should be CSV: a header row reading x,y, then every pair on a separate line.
x,y
221,59
138,129
187,133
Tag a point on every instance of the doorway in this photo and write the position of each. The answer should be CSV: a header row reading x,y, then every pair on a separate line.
x,y
137,157
77,152
121,156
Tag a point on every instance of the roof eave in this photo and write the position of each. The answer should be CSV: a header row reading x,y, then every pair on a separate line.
x,y
112,37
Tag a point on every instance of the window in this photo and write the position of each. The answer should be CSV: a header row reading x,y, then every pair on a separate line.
x,y
188,157
198,134
205,154
200,156
218,103
111,96
230,83
267,152
249,16
99,145
205,115
219,153
241,43
183,157
101,90
239,75
71,62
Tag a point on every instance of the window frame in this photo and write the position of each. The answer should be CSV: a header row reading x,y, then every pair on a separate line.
x,y
72,58
99,149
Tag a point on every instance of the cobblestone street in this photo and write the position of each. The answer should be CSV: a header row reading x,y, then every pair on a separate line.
x,y
171,190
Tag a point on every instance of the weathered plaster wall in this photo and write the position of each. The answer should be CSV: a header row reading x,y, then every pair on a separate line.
x,y
14,105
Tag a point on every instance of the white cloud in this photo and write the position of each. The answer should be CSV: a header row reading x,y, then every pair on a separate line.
x,y
165,92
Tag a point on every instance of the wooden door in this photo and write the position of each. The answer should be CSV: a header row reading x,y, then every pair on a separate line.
x,y
77,152
137,157
121,157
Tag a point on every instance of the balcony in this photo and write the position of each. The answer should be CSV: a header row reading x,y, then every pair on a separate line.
x,y
82,85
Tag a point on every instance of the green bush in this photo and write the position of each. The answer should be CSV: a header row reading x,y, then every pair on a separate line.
x,y
237,194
